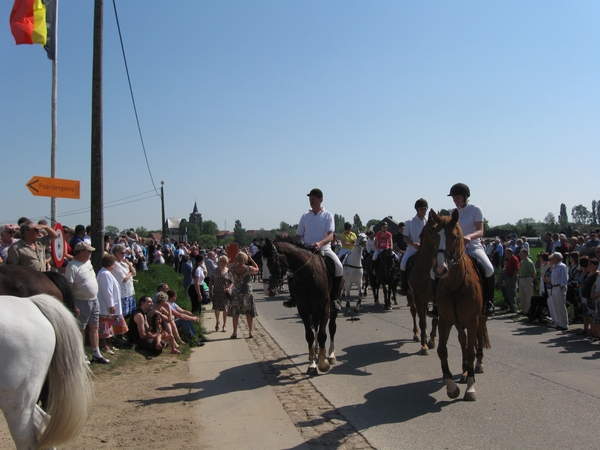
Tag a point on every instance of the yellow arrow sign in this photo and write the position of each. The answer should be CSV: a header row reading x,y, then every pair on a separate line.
x,y
54,187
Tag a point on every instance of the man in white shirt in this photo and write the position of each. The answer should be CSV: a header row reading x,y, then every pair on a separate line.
x,y
316,228
557,303
412,237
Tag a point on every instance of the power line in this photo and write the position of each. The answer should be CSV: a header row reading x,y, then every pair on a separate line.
x,y
132,97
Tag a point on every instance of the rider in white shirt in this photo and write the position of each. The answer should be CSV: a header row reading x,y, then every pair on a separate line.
x,y
412,237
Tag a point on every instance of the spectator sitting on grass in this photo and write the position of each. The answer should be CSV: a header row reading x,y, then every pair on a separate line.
x,y
139,331
168,318
183,319
162,336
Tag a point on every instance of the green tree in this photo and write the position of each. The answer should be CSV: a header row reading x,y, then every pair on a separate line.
x,y
580,215
444,212
209,227
372,223
239,234
339,221
284,226
109,230
563,218
228,240
358,226
207,241
594,212
141,231
193,232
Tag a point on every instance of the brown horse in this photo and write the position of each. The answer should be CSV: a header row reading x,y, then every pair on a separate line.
x,y
309,288
459,298
26,282
420,291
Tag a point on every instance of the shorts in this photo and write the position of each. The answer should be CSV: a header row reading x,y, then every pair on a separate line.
x,y
111,325
89,312
128,305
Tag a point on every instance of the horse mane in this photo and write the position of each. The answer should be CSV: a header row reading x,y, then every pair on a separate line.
x,y
292,241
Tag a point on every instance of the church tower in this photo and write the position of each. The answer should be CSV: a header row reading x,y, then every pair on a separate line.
x,y
196,217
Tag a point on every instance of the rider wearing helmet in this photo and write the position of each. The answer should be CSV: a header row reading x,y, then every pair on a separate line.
x,y
470,219
348,238
412,237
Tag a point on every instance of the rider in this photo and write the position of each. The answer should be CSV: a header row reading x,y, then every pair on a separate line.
x,y
316,228
412,237
370,248
470,219
348,238
383,241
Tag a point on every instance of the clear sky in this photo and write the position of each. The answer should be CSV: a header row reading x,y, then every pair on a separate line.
x,y
247,105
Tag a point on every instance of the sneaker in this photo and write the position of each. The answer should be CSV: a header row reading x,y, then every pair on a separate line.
x,y
100,360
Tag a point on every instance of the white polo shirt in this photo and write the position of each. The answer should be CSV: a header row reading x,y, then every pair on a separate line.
x,y
315,227
467,217
413,228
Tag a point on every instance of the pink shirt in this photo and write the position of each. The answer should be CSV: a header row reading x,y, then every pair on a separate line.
x,y
383,240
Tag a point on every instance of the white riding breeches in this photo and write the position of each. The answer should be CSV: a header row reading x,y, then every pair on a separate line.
x,y
339,269
479,252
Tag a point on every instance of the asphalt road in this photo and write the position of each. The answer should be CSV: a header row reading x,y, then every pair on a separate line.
x,y
540,389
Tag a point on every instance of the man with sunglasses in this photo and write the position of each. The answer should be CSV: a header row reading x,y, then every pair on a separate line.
x,y
7,239
30,251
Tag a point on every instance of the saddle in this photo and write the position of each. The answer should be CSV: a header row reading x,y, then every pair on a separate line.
x,y
480,269
330,267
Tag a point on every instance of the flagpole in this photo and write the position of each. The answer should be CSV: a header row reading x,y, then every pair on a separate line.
x,y
54,139
53,113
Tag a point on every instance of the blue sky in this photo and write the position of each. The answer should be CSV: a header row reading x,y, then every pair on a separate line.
x,y
246,105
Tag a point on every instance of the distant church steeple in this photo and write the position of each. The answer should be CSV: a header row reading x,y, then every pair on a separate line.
x,y
196,217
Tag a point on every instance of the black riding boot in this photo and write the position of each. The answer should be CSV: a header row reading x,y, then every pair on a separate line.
x,y
336,285
434,312
403,282
488,296
289,303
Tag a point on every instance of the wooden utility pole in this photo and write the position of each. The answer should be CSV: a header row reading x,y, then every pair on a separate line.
x,y
97,197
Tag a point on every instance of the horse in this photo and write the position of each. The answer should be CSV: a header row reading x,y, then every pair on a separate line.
x,y
309,287
23,281
459,298
369,278
353,270
420,291
39,340
386,269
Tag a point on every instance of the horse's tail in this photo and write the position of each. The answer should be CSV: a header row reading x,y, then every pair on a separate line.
x,y
65,289
69,385
485,339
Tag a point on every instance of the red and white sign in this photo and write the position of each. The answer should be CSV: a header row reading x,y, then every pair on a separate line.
x,y
58,245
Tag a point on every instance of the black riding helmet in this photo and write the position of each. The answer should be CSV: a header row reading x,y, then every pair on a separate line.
x,y
460,189
347,226
421,203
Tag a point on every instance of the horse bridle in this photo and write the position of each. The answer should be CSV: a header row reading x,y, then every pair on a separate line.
x,y
449,258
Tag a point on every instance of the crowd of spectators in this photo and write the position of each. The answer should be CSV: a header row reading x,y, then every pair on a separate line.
x,y
563,278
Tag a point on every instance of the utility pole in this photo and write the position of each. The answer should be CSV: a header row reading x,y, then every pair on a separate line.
x,y
97,198
162,204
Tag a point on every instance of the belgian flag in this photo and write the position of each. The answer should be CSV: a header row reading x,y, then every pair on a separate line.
x,y
34,22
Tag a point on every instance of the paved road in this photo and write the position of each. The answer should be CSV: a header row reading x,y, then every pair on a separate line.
x,y
541,388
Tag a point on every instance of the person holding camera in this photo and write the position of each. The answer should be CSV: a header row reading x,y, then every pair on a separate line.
x,y
219,287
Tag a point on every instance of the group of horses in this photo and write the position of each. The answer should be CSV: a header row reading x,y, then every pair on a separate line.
x,y
442,257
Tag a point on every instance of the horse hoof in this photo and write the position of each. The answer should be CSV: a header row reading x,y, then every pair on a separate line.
x,y
324,367
424,352
454,394
479,368
463,379
431,345
311,371
388,307
395,302
332,360
470,396
416,338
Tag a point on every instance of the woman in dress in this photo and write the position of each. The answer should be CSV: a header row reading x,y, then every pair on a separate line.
x,y
109,300
124,273
242,300
220,286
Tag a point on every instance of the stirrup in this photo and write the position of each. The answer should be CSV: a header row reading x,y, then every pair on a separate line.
x,y
337,305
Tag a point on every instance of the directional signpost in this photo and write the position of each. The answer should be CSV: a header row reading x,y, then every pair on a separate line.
x,y
54,187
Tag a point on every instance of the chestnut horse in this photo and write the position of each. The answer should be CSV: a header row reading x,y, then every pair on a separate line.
x,y
459,298
309,288
420,291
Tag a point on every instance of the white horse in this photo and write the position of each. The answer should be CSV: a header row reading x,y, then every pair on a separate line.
x,y
40,340
353,270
